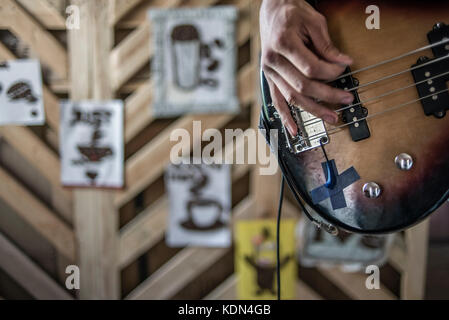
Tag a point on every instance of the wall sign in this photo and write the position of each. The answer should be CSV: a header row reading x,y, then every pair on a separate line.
x,y
255,259
91,143
21,99
194,64
200,204
349,250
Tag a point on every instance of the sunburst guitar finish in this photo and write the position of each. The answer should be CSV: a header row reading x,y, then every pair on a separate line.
x,y
406,196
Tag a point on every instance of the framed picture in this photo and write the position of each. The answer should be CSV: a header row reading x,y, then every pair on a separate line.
x,y
348,250
194,64
21,99
200,205
255,259
91,144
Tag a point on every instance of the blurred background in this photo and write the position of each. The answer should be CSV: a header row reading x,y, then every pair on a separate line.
x,y
117,237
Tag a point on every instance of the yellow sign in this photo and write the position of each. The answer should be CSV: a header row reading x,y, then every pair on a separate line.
x,y
255,260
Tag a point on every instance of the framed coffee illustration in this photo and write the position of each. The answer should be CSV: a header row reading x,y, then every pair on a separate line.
x,y
21,101
348,250
91,143
200,202
194,64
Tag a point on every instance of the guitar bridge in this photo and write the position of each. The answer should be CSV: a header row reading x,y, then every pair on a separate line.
x,y
311,131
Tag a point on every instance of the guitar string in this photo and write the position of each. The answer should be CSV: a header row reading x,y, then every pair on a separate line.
x,y
392,59
396,107
391,92
395,75
399,73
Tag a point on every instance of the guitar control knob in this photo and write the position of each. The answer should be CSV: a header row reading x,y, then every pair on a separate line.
x,y
404,161
371,190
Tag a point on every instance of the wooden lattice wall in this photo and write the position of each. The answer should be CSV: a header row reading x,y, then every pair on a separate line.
x,y
117,237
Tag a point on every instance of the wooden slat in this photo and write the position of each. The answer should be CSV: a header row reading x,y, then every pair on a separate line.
x,y
50,51
138,113
265,199
37,215
120,8
414,277
130,55
38,155
225,291
184,267
28,274
353,284
228,291
5,54
398,255
51,104
157,152
96,218
45,12
143,232
304,292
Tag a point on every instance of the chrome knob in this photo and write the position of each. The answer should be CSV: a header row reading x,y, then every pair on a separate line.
x,y
404,161
371,190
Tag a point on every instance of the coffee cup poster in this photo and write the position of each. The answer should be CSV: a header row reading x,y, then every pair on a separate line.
x,y
200,204
21,101
91,144
255,259
194,64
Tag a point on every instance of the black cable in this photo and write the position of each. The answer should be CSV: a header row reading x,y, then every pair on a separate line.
x,y
278,227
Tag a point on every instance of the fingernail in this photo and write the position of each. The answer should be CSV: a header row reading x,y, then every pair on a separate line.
x,y
348,99
330,119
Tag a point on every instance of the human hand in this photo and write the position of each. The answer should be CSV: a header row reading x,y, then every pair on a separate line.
x,y
297,53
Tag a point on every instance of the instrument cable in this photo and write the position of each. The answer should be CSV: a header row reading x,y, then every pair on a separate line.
x,y
278,227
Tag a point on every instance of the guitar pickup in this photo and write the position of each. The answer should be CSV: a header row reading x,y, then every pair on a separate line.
x,y
355,116
433,76
311,131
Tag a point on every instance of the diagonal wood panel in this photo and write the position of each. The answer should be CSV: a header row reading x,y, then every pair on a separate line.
x,y
353,284
37,215
157,152
38,154
45,12
29,275
23,25
228,291
120,8
149,226
183,267
191,262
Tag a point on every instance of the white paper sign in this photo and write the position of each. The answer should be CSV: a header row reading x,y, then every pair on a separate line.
x,y
200,204
194,64
21,99
91,143
348,250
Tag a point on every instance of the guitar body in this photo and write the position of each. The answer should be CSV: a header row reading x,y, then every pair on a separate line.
x,y
407,196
